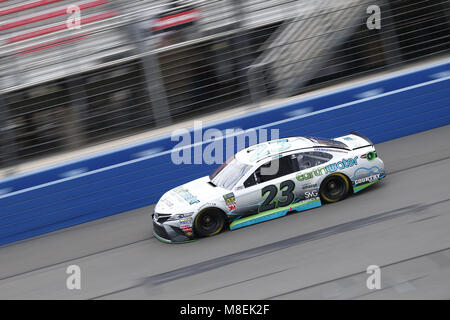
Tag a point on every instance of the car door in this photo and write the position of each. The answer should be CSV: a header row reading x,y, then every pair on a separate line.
x,y
311,167
268,187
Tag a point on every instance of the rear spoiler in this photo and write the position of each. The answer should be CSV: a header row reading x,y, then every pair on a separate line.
x,y
355,141
362,136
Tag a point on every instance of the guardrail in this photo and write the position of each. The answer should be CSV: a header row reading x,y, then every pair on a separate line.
x,y
129,178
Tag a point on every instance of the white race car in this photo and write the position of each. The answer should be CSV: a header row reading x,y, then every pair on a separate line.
x,y
267,181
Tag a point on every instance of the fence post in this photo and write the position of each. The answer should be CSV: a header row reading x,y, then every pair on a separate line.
x,y
241,45
153,76
446,5
78,108
389,37
248,75
74,133
8,155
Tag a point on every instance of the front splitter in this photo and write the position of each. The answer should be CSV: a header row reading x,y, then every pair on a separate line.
x,y
170,241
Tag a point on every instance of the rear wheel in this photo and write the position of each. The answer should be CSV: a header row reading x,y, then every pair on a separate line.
x,y
334,188
209,223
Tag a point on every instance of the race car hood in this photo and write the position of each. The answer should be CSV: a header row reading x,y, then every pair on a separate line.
x,y
190,196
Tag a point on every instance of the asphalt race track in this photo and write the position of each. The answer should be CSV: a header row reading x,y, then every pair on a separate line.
x,y
401,225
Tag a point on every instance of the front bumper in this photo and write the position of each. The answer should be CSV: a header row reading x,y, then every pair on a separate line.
x,y
168,233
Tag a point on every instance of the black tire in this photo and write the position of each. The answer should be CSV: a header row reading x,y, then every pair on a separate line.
x,y
209,222
334,188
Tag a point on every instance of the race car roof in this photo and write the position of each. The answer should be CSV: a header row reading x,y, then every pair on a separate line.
x,y
257,152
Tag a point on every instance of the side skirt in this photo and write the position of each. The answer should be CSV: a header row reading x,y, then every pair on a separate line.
x,y
275,213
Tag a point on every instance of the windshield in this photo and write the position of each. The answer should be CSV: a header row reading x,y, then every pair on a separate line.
x,y
229,173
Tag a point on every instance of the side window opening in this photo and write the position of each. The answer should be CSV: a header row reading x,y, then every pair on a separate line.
x,y
311,159
251,181
286,165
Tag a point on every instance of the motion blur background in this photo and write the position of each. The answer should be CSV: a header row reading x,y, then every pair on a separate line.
x,y
136,66
85,151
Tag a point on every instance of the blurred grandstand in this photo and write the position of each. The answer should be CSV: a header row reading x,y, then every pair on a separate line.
x,y
134,66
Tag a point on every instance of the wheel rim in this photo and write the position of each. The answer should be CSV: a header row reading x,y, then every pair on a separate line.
x,y
334,189
209,222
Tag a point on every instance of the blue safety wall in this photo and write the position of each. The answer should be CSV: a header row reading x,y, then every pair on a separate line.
x,y
138,175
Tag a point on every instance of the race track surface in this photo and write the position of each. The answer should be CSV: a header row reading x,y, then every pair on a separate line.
x,y
401,224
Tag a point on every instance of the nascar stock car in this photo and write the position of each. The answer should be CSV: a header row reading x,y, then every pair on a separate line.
x,y
267,181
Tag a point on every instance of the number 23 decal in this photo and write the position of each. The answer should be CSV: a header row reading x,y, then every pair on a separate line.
x,y
287,191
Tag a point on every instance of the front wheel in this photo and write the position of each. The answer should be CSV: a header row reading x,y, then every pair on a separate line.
x,y
334,188
209,223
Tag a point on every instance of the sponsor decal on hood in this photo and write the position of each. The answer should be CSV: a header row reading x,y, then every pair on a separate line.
x,y
186,195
